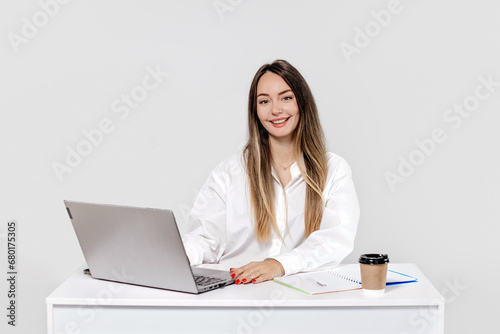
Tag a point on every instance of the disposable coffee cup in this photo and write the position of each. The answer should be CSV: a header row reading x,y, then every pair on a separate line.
x,y
373,272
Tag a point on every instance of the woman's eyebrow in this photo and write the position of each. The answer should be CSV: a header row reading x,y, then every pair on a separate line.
x,y
281,93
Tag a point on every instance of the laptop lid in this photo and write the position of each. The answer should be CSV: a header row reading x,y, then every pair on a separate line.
x,y
133,245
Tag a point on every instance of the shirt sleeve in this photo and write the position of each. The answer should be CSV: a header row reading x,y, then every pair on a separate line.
x,y
334,240
205,240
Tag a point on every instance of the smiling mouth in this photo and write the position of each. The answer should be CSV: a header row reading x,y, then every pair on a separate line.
x,y
280,121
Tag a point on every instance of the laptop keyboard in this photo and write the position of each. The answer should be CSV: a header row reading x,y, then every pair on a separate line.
x,y
206,280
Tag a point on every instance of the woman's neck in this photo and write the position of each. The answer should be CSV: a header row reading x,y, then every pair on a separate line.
x,y
282,151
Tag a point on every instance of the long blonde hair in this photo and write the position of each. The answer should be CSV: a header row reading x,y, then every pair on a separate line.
x,y
309,151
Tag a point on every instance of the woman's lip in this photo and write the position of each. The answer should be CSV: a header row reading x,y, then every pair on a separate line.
x,y
278,119
279,125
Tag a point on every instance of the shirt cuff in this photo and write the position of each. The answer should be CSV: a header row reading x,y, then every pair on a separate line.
x,y
291,263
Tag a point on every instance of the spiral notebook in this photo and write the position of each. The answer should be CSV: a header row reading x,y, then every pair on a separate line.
x,y
344,278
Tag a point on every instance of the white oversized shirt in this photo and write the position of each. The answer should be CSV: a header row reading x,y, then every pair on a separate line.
x,y
221,224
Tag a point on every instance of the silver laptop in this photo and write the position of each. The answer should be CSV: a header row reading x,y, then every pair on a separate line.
x,y
139,246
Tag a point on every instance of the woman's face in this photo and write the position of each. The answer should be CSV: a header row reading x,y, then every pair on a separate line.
x,y
277,107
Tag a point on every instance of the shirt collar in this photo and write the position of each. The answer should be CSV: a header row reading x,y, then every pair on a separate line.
x,y
294,170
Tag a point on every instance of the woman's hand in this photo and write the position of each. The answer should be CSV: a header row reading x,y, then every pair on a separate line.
x,y
256,272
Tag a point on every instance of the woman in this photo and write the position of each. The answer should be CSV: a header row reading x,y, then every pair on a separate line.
x,y
283,205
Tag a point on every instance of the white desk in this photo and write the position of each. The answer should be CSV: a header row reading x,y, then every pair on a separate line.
x,y
85,305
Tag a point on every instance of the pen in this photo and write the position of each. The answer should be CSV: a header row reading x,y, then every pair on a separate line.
x,y
317,282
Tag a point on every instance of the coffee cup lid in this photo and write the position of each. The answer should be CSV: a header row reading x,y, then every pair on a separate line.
x,y
374,259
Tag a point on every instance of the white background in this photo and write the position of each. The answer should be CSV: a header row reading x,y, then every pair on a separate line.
x,y
374,105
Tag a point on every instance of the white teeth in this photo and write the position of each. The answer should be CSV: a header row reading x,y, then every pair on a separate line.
x,y
280,121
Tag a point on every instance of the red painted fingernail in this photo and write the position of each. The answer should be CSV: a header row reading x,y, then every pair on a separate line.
x,y
231,269
254,281
233,275
237,281
244,280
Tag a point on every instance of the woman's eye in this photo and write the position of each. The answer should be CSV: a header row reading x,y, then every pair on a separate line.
x,y
263,101
287,98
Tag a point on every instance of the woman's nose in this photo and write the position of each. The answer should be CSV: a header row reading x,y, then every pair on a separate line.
x,y
276,109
